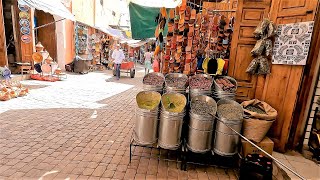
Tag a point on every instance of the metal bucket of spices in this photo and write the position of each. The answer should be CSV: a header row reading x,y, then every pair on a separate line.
x,y
226,142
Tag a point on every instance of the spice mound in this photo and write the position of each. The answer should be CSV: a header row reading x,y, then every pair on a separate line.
x,y
255,109
177,82
174,103
200,83
226,85
153,79
230,112
148,100
202,108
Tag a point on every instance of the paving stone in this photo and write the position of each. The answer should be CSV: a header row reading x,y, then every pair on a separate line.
x,y
53,129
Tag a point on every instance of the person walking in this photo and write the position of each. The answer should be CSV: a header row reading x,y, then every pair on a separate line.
x,y
147,62
118,57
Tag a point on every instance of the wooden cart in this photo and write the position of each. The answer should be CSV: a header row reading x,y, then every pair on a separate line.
x,y
128,67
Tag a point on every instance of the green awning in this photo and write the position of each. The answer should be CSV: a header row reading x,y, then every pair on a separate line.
x,y
142,21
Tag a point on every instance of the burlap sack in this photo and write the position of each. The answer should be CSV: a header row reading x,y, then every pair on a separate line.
x,y
257,125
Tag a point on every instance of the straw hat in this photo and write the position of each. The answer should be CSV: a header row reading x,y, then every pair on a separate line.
x,y
37,57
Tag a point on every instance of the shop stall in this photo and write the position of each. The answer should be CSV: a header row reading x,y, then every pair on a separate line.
x,y
229,58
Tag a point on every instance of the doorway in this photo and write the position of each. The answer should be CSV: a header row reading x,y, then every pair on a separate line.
x,y
47,34
10,45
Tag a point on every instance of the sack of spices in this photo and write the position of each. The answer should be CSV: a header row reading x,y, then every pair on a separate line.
x,y
260,118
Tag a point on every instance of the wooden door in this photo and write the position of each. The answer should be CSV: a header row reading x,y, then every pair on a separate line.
x,y
283,84
249,15
281,87
47,34
3,49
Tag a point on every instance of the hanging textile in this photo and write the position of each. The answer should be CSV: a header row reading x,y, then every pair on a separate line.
x,y
143,21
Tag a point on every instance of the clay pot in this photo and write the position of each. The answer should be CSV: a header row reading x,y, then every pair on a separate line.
x,y
58,71
49,60
39,47
45,54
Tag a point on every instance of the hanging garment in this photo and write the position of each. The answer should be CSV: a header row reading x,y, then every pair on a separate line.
x,y
200,62
221,63
212,66
205,64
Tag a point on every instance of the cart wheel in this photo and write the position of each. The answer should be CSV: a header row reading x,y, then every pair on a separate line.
x,y
132,73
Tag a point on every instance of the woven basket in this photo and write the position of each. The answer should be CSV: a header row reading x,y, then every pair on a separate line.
x,y
256,129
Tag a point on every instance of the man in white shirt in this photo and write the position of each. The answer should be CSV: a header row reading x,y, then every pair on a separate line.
x,y
118,57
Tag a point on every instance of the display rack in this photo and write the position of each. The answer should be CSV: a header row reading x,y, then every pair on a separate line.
x,y
157,152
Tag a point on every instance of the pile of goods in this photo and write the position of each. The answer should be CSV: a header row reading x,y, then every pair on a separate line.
x,y
11,89
172,102
178,82
153,79
148,100
260,117
225,84
230,111
256,109
200,82
202,107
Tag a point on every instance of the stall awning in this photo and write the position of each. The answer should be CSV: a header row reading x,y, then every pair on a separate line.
x,y
157,3
113,32
50,6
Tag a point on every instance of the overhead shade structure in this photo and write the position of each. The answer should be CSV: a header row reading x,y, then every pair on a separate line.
x,y
116,33
158,3
54,7
142,19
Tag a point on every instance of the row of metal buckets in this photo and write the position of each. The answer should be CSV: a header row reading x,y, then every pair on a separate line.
x,y
215,91
204,132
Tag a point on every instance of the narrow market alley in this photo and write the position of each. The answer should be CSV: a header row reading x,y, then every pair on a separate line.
x,y
80,136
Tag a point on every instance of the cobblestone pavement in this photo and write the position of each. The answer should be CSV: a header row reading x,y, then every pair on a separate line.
x,y
79,142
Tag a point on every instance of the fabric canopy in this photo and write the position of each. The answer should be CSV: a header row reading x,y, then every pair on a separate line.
x,y
113,32
157,3
50,6
142,21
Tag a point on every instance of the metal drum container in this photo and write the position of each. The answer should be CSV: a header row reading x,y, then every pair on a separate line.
x,y
145,132
219,93
201,127
171,89
158,88
195,92
226,141
170,127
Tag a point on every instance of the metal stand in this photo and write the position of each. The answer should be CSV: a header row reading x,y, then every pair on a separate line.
x,y
156,152
207,159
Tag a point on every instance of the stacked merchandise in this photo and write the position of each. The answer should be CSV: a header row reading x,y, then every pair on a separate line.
x,y
215,36
263,48
11,89
44,65
192,36
201,125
